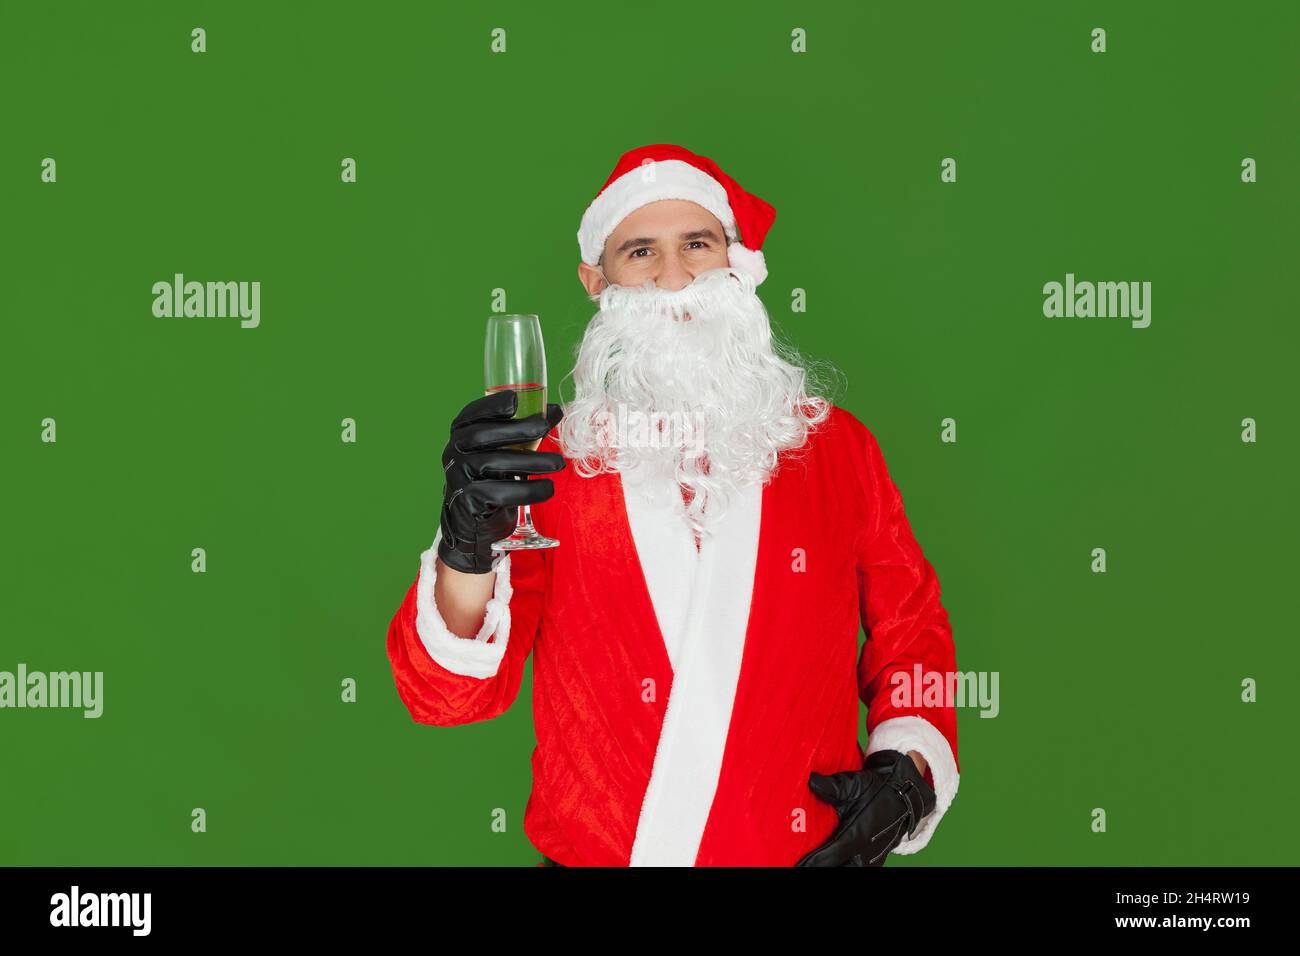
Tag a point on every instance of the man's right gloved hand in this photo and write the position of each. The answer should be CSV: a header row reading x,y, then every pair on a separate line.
x,y
481,497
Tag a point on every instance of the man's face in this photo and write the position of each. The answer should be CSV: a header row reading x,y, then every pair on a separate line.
x,y
668,242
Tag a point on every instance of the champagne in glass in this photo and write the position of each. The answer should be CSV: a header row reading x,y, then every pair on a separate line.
x,y
532,401
514,359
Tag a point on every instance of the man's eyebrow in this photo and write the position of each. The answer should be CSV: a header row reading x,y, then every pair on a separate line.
x,y
644,241
705,233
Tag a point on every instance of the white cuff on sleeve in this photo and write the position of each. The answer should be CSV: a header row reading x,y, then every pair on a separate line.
x,y
917,733
461,655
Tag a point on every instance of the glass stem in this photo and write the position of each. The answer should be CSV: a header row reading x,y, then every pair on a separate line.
x,y
525,525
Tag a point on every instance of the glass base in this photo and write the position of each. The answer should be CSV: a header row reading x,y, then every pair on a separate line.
x,y
524,542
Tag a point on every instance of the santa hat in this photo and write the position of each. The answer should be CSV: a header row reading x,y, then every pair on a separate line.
x,y
663,171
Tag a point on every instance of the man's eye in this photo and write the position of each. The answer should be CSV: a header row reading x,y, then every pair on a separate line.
x,y
701,242
633,253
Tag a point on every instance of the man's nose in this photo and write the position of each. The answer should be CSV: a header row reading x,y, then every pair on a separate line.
x,y
673,274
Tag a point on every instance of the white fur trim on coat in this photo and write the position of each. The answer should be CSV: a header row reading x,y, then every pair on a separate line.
x,y
706,657
461,655
917,733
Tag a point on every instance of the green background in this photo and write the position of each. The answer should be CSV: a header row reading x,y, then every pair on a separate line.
x,y
1118,690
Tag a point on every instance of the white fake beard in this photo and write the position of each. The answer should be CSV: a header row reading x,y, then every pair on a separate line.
x,y
705,400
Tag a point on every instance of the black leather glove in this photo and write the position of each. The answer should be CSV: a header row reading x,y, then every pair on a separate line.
x,y
481,496
878,805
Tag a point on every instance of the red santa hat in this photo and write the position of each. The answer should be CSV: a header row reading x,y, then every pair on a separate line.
x,y
663,171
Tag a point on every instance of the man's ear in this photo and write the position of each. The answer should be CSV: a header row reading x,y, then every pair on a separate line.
x,y
591,279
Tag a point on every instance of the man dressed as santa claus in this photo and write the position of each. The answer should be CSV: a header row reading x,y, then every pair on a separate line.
x,y
723,533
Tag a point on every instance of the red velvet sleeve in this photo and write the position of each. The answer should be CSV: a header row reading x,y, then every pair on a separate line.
x,y
907,627
444,679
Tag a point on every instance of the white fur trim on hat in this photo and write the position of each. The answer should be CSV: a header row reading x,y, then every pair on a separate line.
x,y
650,182
750,260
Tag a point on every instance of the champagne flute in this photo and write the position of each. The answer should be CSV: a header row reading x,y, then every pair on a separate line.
x,y
514,359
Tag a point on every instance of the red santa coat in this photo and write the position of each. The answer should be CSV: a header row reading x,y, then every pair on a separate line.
x,y
681,697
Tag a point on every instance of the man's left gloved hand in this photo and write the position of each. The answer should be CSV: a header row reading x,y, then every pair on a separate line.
x,y
877,805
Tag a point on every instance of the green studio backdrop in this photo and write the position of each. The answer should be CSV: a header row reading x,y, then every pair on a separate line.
x,y
222,690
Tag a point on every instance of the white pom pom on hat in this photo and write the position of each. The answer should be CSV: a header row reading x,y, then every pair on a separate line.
x,y
663,171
